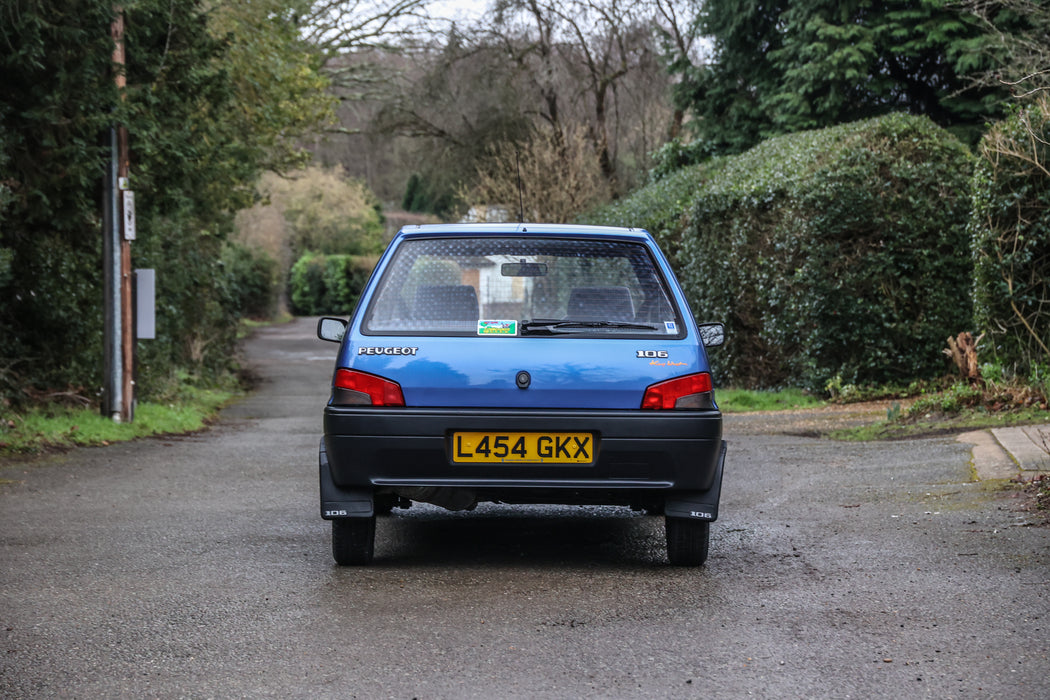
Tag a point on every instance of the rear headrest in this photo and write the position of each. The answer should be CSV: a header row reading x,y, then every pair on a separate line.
x,y
446,302
600,304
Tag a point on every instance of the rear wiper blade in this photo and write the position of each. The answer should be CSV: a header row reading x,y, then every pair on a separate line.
x,y
568,326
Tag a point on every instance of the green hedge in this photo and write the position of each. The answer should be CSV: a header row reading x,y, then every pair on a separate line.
x,y
204,286
839,253
661,207
252,279
1010,226
328,284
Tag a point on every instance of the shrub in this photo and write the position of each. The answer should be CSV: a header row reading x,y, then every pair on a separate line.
x,y
952,401
1010,227
332,214
196,305
661,207
314,209
422,195
834,253
328,284
251,280
675,155
306,284
344,278
7,258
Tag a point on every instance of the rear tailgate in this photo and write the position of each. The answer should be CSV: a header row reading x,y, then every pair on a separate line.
x,y
563,372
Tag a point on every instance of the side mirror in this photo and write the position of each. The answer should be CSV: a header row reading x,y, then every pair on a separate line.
x,y
712,334
332,329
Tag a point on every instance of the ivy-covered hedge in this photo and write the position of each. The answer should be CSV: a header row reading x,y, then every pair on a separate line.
x,y
1010,226
328,284
837,253
661,207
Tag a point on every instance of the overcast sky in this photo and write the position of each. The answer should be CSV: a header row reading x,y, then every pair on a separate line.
x,y
454,9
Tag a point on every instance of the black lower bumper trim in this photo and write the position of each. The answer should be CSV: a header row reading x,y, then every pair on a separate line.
x,y
640,450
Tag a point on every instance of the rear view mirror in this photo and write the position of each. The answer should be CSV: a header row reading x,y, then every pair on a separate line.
x,y
523,269
712,334
332,329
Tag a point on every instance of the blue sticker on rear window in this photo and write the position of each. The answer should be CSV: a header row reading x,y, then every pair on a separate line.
x,y
670,327
497,327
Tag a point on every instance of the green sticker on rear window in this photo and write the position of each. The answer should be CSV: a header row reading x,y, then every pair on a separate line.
x,y
497,327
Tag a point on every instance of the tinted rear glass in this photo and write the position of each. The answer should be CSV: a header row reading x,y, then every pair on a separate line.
x,y
522,286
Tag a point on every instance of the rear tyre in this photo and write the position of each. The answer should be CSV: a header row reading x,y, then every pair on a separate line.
x,y
353,540
687,540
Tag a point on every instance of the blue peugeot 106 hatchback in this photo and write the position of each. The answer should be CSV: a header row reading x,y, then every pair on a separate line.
x,y
521,363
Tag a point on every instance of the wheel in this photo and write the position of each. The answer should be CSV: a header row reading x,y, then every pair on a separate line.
x,y
687,540
353,540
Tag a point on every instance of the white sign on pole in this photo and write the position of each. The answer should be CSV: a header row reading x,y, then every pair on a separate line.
x,y
129,215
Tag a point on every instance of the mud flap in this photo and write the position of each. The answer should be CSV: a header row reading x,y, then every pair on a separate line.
x,y
699,505
338,502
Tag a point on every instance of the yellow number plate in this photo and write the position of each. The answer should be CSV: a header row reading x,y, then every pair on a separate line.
x,y
538,448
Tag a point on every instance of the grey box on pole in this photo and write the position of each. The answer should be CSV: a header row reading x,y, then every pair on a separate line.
x,y
145,304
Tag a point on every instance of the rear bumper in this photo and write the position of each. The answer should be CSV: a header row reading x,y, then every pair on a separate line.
x,y
637,451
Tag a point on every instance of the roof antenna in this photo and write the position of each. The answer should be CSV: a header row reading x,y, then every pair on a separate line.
x,y
521,203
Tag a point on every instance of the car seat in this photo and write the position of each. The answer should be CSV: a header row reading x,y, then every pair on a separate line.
x,y
600,304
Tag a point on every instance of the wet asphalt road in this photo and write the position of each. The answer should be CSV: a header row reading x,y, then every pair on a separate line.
x,y
198,567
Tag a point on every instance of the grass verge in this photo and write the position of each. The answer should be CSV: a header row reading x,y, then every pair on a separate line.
x,y
247,326
184,407
745,400
50,428
957,408
906,427
929,411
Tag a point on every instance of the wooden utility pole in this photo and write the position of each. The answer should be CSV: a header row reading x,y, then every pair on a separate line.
x,y
122,206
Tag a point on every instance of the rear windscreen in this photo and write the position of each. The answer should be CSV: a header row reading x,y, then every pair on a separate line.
x,y
516,286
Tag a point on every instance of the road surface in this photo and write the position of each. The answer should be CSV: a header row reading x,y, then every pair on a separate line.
x,y
198,567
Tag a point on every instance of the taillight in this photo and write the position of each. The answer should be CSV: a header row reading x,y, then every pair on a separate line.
x,y
691,391
353,388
